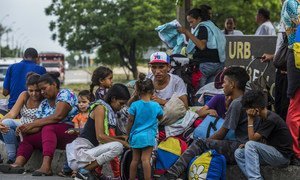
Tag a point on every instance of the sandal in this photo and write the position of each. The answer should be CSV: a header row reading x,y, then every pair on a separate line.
x,y
7,168
73,174
39,173
64,174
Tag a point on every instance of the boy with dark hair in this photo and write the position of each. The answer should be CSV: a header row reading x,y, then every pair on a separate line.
x,y
270,144
235,79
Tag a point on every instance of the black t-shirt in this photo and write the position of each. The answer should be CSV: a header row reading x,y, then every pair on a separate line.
x,y
276,133
236,119
89,132
205,55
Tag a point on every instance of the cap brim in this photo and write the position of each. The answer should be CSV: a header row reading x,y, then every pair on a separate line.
x,y
158,61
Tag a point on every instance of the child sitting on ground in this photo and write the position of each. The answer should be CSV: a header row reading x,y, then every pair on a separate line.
x,y
84,99
142,126
102,77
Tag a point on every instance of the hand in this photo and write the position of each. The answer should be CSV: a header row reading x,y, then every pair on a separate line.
x,y
213,112
267,57
135,92
252,112
125,137
159,100
18,131
126,144
182,30
3,129
242,146
25,128
70,131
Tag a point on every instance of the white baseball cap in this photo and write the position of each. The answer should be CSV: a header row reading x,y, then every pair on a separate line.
x,y
159,57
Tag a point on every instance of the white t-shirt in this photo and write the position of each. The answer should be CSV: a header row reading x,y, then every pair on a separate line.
x,y
266,28
175,86
280,37
233,33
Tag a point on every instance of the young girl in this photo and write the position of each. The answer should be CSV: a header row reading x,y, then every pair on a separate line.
x,y
143,115
84,99
102,77
94,146
26,105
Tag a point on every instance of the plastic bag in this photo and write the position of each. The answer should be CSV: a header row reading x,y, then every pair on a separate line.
x,y
174,109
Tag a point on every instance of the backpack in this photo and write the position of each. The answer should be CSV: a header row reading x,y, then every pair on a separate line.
x,y
125,166
296,48
167,154
281,56
209,126
210,165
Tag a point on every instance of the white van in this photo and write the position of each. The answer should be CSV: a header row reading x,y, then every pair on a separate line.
x,y
4,63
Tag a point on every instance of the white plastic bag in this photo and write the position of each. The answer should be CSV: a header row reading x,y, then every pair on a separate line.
x,y
174,110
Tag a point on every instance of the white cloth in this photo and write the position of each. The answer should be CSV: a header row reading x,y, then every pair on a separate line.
x,y
208,89
280,36
175,86
233,33
266,28
179,127
81,152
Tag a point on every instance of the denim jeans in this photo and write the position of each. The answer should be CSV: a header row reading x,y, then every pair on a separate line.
x,y
10,138
255,154
209,71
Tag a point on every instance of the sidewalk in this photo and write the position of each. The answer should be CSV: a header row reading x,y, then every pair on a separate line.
x,y
28,176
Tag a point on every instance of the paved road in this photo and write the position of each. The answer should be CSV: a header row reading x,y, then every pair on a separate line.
x,y
29,177
77,76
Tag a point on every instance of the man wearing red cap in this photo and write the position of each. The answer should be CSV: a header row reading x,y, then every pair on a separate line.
x,y
165,83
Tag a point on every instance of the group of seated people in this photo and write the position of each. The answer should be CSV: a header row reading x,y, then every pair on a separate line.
x,y
89,126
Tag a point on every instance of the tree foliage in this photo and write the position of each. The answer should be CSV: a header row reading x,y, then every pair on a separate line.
x,y
118,28
7,51
244,11
122,30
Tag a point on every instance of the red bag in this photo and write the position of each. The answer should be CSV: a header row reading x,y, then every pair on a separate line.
x,y
196,76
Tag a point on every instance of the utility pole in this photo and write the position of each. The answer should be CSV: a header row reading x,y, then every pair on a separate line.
x,y
181,12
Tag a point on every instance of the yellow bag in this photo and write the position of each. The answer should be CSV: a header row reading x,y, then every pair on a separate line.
x,y
296,48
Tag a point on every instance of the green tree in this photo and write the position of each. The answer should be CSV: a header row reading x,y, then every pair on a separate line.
x,y
244,11
120,29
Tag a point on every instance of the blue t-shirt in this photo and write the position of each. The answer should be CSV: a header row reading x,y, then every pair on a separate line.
x,y
64,95
15,78
144,127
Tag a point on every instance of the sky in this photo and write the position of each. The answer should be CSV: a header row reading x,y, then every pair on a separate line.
x,y
29,23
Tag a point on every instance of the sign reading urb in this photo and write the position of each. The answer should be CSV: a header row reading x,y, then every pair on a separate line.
x,y
240,50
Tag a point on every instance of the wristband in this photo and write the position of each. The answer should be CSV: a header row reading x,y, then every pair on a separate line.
x,y
251,125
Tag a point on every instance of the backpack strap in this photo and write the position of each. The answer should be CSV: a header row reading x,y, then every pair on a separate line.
x,y
212,125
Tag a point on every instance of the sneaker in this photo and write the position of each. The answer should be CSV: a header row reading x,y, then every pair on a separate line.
x,y
84,174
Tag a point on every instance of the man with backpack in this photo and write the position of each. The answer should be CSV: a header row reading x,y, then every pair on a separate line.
x,y
235,79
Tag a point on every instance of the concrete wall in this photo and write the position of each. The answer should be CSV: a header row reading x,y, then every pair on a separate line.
x,y
233,172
